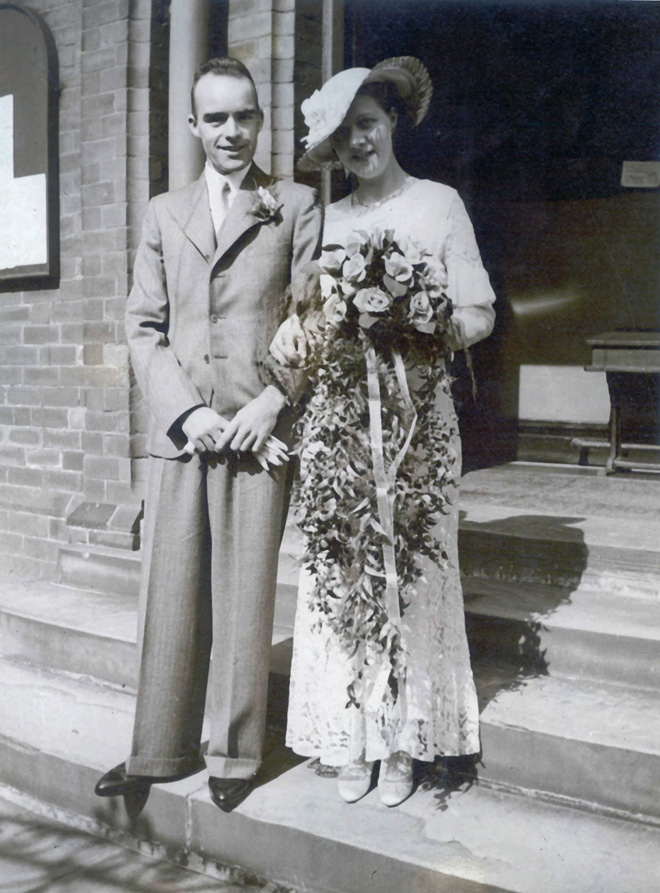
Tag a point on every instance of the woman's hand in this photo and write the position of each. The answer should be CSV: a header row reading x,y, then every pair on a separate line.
x,y
289,346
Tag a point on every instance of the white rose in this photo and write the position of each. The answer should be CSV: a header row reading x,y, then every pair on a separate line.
x,y
328,285
334,310
372,300
421,311
331,261
398,268
355,268
356,242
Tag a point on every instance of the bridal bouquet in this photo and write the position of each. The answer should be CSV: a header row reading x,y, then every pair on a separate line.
x,y
389,291
377,460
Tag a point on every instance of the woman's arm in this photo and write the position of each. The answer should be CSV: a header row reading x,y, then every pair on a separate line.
x,y
468,284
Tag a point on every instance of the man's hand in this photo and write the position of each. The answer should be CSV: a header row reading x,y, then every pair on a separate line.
x,y
253,424
289,346
204,428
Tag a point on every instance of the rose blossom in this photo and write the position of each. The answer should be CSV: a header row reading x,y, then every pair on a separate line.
x,y
414,254
355,242
328,285
331,261
355,268
347,288
334,310
436,275
372,300
421,311
398,267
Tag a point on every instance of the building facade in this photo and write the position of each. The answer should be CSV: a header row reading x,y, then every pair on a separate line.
x,y
570,251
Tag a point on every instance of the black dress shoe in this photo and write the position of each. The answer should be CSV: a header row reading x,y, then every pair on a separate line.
x,y
227,793
118,783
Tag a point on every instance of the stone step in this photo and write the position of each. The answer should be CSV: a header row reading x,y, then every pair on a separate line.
x,y
92,633
593,742
498,542
535,629
558,724
618,555
549,630
99,568
58,734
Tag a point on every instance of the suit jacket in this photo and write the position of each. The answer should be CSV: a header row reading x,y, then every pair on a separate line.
x,y
183,354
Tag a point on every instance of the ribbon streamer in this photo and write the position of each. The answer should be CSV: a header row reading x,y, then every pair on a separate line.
x,y
384,480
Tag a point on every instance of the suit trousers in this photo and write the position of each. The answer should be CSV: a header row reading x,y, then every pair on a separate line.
x,y
213,529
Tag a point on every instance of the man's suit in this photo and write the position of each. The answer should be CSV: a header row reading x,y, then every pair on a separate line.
x,y
201,314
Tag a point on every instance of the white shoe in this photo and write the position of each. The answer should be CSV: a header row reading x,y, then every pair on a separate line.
x,y
354,780
395,782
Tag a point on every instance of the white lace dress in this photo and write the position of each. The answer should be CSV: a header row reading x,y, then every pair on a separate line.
x,y
438,714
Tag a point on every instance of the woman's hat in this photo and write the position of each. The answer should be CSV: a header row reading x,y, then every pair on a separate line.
x,y
326,108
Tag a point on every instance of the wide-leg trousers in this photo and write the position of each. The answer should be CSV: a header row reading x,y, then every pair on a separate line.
x,y
212,536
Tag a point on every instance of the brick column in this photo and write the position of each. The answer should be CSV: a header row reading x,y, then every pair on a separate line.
x,y
261,34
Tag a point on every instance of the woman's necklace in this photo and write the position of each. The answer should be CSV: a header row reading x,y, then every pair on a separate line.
x,y
397,192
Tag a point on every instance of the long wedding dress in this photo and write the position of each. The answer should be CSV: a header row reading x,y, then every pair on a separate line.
x,y
438,714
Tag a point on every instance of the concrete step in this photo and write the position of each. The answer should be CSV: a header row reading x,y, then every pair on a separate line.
x,y
587,741
88,633
99,568
535,629
618,555
57,735
543,722
528,541
43,848
550,630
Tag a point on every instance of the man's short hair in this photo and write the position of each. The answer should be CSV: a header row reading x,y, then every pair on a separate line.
x,y
221,65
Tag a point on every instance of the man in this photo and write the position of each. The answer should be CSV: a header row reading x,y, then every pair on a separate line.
x,y
213,264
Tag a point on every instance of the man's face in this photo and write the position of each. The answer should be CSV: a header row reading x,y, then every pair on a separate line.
x,y
227,120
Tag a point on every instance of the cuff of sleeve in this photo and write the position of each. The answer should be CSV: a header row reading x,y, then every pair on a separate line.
x,y
291,382
175,431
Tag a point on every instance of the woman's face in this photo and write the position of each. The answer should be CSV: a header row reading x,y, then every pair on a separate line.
x,y
363,141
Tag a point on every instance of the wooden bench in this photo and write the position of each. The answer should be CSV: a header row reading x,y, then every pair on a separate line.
x,y
631,363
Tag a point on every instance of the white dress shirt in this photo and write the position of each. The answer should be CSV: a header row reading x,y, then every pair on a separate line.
x,y
217,187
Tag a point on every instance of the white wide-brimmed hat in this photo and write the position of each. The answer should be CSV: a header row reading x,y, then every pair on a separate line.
x,y
326,108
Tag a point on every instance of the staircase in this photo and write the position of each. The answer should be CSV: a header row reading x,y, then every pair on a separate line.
x,y
562,591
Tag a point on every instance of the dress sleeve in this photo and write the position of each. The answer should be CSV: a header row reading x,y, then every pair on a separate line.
x,y
468,284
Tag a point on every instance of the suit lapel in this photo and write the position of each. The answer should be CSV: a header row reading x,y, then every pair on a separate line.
x,y
240,216
193,214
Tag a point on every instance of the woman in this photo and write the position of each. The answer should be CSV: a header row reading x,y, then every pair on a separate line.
x,y
381,668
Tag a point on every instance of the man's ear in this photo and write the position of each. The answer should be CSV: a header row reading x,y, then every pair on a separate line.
x,y
394,118
192,123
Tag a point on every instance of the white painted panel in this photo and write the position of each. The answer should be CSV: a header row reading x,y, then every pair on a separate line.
x,y
23,203
563,394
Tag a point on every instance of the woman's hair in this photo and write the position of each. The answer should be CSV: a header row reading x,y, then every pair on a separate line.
x,y
388,97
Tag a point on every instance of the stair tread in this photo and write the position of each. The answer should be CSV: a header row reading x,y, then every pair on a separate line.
x,y
99,613
615,716
554,606
472,833
564,488
636,535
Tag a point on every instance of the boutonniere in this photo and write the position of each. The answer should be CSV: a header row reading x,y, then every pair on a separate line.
x,y
266,206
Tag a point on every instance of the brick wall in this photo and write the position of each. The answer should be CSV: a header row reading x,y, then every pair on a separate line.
x,y
261,34
65,441
72,420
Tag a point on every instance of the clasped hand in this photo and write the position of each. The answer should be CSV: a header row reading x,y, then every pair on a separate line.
x,y
289,346
250,429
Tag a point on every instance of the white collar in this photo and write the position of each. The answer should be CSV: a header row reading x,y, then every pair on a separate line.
x,y
215,179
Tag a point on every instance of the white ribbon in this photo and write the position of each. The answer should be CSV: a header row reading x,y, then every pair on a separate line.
x,y
385,480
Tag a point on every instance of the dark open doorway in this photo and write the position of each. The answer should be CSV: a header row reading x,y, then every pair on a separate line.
x,y
536,106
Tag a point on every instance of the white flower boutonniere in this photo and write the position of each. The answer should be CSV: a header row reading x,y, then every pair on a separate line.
x,y
266,206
